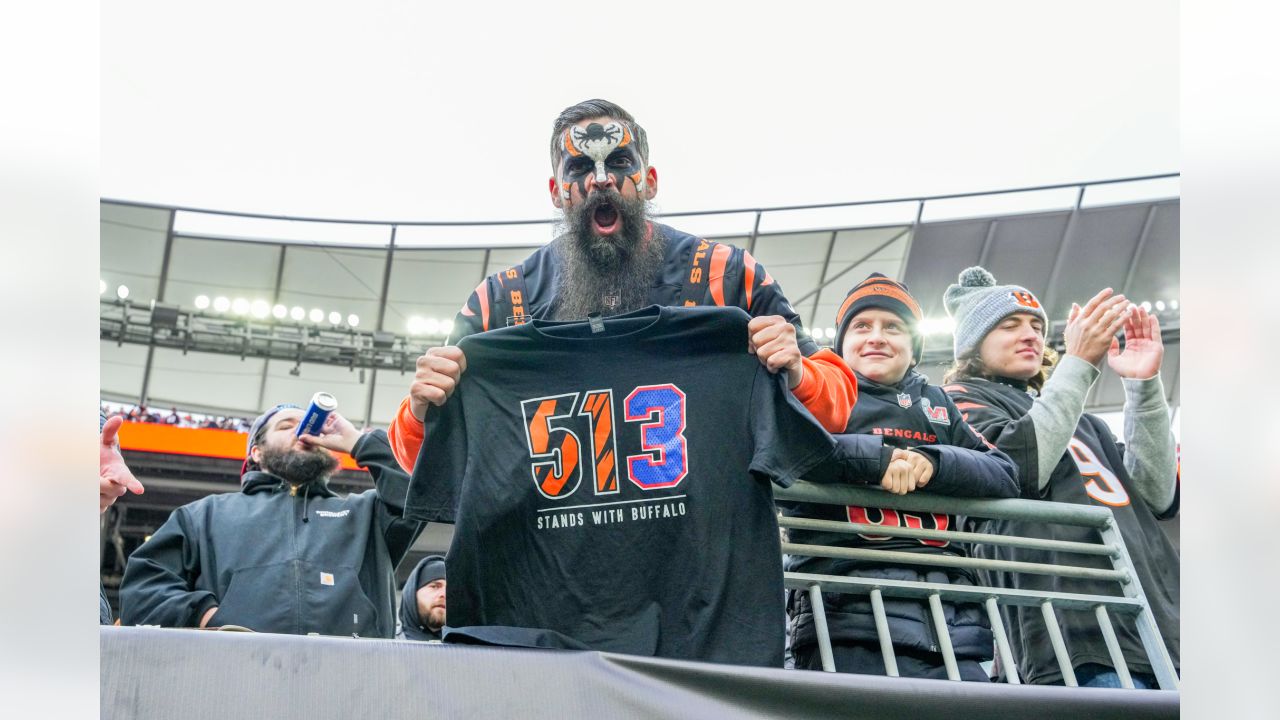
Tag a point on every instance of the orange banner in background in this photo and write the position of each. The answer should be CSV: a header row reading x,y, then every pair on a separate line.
x,y
202,442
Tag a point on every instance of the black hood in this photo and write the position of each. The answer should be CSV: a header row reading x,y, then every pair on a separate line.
x,y
411,624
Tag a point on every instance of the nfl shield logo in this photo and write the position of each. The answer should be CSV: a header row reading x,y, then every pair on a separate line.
x,y
904,400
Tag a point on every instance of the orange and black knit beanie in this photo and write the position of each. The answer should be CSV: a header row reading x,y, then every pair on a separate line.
x,y
878,291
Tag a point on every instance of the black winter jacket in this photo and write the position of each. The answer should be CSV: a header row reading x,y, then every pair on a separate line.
x,y
910,415
279,561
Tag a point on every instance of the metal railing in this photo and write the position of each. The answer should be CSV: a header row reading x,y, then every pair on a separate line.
x,y
1130,601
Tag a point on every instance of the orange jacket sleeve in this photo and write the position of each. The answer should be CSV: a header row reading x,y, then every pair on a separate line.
x,y
405,434
828,389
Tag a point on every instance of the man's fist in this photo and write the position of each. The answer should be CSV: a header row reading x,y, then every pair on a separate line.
x,y
921,468
439,371
114,477
897,478
773,341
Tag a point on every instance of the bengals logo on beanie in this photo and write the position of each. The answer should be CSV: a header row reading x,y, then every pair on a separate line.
x,y
880,291
978,304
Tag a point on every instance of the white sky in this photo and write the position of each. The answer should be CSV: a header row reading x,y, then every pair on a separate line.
x,y
401,110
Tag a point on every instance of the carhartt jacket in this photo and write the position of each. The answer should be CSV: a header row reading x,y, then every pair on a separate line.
x,y
275,558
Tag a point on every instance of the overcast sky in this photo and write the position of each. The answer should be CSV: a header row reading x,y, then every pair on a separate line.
x,y
401,110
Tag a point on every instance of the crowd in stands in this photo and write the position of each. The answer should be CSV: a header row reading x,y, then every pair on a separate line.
x,y
144,414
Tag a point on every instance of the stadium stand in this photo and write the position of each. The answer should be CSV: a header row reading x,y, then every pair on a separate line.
x,y
224,309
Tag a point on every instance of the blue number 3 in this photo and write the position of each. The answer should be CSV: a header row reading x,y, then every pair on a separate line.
x,y
663,463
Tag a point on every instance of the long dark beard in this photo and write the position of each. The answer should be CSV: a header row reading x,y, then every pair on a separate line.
x,y
609,275
299,467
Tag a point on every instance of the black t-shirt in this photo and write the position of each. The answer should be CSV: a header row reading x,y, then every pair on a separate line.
x,y
611,490
1091,472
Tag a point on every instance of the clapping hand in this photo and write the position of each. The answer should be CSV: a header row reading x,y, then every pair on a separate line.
x,y
1143,347
1092,329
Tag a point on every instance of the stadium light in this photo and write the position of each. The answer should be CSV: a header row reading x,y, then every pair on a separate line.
x,y
240,306
414,325
446,327
1159,306
297,313
353,320
102,286
1146,305
202,302
316,315
260,309
431,326
280,312
937,326
221,303
335,318
1173,304
122,292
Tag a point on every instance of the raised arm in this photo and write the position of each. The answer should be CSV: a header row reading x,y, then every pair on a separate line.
x,y
1150,455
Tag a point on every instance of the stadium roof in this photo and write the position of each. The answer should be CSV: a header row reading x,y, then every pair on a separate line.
x,y
1063,242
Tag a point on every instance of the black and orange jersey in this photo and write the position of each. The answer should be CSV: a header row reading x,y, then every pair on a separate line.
x,y
695,272
1090,472
611,493
911,415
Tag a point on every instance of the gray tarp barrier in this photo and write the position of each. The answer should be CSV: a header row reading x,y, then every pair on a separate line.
x,y
150,673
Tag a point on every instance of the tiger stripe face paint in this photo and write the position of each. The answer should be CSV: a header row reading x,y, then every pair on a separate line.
x,y
598,151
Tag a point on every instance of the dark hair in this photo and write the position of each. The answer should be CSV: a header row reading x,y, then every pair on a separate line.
x,y
971,366
596,108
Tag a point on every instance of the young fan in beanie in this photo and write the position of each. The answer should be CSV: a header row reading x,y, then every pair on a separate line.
x,y
1001,378
904,435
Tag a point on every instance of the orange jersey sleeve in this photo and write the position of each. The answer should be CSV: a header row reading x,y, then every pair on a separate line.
x,y
405,435
828,389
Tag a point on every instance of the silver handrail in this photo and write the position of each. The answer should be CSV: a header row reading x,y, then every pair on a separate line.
x,y
1131,600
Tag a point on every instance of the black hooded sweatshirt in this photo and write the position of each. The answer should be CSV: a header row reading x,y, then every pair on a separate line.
x,y
412,626
275,558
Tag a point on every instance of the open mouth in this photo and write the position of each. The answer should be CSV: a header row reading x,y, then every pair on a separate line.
x,y
605,218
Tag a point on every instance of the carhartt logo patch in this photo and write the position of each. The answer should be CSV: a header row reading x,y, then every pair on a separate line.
x,y
937,415
331,513
326,578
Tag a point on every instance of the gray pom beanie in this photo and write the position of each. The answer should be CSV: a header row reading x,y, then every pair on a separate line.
x,y
977,304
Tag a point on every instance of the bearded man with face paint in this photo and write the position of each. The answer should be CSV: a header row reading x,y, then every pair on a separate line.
x,y
612,258
285,554
904,435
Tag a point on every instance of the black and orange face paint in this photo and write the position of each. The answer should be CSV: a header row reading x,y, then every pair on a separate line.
x,y
599,151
